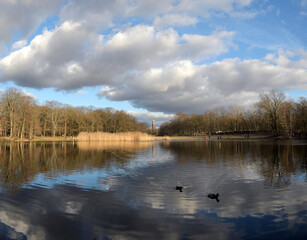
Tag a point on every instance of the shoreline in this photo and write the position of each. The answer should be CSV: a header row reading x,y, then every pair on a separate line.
x,y
38,139
161,138
225,137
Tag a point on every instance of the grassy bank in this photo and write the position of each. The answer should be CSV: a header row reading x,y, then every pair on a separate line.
x,y
223,137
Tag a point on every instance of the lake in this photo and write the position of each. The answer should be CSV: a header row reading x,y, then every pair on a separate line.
x,y
126,190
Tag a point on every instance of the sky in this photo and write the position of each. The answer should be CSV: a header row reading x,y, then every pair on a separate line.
x,y
154,58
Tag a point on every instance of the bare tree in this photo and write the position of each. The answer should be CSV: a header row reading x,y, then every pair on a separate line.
x,y
301,116
54,114
271,103
11,98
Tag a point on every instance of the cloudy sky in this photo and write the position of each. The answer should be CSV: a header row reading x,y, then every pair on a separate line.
x,y
153,58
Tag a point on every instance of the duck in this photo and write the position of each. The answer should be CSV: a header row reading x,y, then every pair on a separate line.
x,y
179,188
214,196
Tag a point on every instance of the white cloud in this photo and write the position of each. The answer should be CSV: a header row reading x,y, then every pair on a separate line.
x,y
150,7
194,88
153,67
23,17
49,58
94,13
101,14
199,46
71,56
154,70
174,20
19,44
286,59
28,94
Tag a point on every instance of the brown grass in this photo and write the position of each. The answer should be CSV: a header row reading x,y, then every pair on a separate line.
x,y
126,136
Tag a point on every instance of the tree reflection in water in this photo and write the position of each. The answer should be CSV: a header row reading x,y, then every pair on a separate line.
x,y
262,187
276,161
21,162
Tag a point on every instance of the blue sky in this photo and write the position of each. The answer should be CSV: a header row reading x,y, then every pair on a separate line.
x,y
154,58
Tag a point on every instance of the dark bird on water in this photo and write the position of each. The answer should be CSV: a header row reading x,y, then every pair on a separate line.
x,y
179,188
214,196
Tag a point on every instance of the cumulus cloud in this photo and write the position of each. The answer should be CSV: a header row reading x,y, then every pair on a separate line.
x,y
23,17
72,56
100,14
153,66
94,13
49,60
289,59
194,88
199,47
157,70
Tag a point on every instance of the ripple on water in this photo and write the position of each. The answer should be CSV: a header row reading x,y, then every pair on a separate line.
x,y
259,191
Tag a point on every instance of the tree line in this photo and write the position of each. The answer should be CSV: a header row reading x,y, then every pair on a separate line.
x,y
22,117
273,114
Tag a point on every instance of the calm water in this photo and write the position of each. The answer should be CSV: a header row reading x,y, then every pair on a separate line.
x,y
127,190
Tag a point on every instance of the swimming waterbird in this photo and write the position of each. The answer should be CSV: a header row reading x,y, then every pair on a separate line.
x,y
214,196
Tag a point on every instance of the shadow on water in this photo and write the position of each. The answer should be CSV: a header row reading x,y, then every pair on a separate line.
x,y
129,190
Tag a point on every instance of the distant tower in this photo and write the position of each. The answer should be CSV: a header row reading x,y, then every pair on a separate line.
x,y
153,125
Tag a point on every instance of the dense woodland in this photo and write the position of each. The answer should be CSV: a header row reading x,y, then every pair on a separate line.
x,y
22,117
272,114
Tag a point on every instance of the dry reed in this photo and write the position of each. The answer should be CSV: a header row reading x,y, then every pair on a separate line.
x,y
124,136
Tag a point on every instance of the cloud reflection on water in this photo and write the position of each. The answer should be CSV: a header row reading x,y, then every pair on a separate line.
x,y
140,200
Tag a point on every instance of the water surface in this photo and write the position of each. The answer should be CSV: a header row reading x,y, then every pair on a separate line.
x,y
127,190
